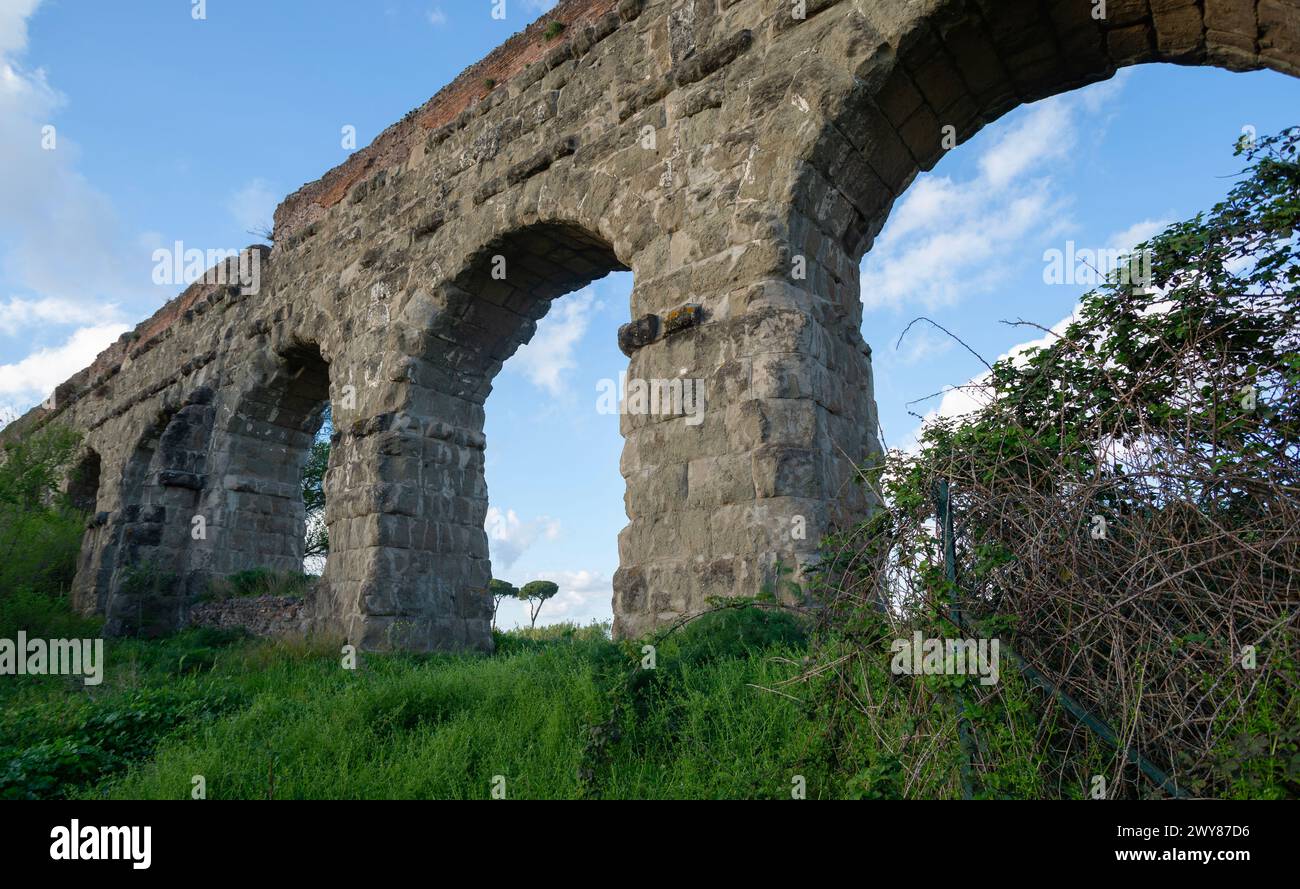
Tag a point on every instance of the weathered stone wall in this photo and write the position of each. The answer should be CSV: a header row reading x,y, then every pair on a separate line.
x,y
275,616
738,159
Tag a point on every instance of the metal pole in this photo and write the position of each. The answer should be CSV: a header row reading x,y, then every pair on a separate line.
x,y
944,508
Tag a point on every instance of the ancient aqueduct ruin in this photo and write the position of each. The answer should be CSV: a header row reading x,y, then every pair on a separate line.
x,y
738,156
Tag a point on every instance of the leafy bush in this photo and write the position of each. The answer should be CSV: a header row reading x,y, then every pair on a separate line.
x,y
47,770
43,615
109,737
40,536
39,548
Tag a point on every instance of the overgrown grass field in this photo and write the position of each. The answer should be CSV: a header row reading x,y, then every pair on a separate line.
x,y
557,713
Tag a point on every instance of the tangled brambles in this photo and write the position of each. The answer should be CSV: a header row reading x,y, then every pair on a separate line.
x,y
1126,507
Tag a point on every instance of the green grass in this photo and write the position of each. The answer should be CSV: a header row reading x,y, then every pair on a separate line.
x,y
559,713
260,582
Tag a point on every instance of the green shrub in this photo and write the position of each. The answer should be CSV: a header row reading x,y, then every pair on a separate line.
x,y
43,615
48,769
40,537
737,633
261,582
39,548
108,738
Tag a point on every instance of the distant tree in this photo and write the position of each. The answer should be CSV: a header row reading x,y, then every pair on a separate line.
x,y
500,589
535,593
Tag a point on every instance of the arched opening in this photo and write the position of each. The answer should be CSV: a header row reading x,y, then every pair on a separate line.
x,y
83,482
553,465
544,441
271,509
964,64
145,579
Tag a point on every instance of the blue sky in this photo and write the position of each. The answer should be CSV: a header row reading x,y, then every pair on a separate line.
x,y
168,128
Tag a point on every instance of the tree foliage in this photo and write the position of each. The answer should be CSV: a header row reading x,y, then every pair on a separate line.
x,y
499,590
34,468
40,531
536,593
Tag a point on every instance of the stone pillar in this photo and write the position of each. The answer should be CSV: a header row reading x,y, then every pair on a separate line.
x,y
717,507
140,564
405,505
94,565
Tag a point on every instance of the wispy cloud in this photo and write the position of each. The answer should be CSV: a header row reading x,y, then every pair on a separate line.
x,y
253,206
436,17
971,396
509,536
1137,233
13,24
61,242
950,240
550,353
33,378
59,235
19,314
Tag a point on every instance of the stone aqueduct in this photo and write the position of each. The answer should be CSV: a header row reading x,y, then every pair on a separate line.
x,y
778,141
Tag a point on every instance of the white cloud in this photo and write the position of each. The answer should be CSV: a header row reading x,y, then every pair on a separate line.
x,y
1045,134
962,400
13,24
437,17
33,378
253,206
545,358
19,314
509,536
58,234
948,240
1137,233
584,596
1096,97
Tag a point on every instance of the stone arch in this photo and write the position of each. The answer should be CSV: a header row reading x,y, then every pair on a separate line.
x,y
504,288
84,480
137,567
409,564
253,507
912,96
